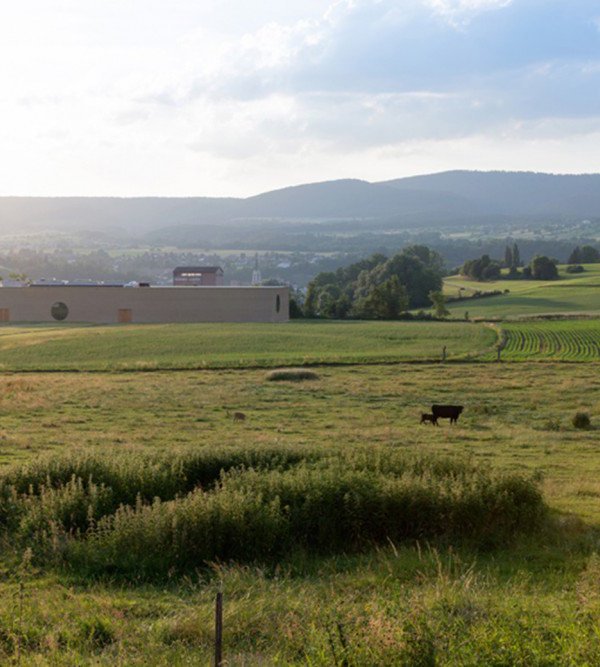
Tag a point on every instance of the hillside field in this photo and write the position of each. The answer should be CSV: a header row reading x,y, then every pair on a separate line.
x,y
565,340
191,346
571,293
85,596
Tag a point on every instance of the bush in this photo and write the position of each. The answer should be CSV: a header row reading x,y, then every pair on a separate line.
x,y
291,375
581,420
575,268
543,268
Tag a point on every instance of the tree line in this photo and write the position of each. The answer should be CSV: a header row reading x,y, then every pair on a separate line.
x,y
586,254
540,267
379,287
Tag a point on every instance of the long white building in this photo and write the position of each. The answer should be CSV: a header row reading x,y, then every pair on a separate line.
x,y
113,304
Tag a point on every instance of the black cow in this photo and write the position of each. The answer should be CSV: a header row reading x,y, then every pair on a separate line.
x,y
425,417
451,412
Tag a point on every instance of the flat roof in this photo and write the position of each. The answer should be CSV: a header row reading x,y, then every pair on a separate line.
x,y
131,287
196,269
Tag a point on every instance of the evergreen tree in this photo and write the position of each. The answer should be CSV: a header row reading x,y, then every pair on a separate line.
x,y
589,255
516,256
508,257
575,256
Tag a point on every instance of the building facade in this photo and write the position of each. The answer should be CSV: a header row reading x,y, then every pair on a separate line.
x,y
107,305
198,276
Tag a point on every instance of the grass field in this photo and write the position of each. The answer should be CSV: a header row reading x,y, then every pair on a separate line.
x,y
191,346
571,293
534,601
169,347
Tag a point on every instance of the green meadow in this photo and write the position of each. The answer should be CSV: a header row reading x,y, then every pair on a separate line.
x,y
341,531
571,293
197,346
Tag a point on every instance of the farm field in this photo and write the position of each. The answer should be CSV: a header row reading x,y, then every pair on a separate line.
x,y
190,346
531,599
571,293
566,340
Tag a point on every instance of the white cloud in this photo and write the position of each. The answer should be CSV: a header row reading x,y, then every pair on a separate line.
x,y
225,97
459,13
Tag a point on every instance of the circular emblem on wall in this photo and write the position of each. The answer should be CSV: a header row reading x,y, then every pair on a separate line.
x,y
59,311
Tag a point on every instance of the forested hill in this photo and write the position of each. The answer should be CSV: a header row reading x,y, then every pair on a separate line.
x,y
437,199
514,193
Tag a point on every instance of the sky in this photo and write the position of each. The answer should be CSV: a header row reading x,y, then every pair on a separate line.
x,y
233,98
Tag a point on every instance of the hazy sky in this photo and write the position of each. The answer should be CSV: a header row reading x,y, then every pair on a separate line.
x,y
234,97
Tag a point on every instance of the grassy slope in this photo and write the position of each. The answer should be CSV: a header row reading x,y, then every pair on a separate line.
x,y
537,604
572,293
233,345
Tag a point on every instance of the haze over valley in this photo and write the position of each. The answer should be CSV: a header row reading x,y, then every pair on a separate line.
x,y
301,230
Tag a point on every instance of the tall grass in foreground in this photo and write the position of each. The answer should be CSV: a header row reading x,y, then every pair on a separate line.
x,y
152,515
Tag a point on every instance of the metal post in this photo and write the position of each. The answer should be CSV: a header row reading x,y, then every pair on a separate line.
x,y
219,630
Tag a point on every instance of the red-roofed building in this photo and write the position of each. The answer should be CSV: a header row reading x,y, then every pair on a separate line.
x,y
198,276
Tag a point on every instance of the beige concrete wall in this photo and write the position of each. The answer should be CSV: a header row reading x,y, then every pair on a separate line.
x,y
147,304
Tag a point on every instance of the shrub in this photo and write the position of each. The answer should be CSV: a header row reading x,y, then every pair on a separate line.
x,y
543,268
291,375
581,420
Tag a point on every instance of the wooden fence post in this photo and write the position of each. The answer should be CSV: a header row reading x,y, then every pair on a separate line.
x,y
219,630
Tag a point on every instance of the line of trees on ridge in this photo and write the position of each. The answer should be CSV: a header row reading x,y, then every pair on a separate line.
x,y
541,267
486,269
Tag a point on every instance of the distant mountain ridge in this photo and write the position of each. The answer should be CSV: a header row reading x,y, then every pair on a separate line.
x,y
515,193
434,199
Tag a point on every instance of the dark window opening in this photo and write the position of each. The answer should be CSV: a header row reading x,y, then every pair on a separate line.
x,y
59,311
277,303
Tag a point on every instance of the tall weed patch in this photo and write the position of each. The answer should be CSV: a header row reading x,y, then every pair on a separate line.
x,y
151,516
123,479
